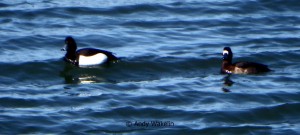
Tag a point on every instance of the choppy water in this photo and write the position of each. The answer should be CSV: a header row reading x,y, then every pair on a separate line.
x,y
169,72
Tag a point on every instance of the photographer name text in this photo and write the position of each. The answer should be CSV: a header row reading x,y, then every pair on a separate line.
x,y
154,123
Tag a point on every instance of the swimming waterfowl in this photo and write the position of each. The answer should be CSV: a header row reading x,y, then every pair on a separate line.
x,y
240,67
86,56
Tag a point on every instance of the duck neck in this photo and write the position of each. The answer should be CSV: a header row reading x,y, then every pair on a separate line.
x,y
226,62
70,56
225,66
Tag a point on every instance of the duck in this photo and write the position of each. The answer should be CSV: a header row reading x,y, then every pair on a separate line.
x,y
86,56
240,67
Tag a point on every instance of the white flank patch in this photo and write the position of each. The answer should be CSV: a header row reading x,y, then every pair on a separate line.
x,y
92,60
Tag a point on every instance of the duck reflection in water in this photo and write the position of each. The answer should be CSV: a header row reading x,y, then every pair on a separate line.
x,y
227,83
76,75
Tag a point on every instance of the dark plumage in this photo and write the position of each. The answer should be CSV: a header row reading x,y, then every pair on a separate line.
x,y
240,67
86,56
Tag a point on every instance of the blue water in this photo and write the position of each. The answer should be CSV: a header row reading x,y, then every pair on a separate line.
x,y
168,80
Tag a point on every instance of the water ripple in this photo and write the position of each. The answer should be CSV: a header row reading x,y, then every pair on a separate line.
x,y
169,69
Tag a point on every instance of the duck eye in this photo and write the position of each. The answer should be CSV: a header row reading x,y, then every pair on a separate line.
x,y
225,52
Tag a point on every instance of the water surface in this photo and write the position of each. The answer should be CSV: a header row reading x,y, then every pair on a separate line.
x,y
169,72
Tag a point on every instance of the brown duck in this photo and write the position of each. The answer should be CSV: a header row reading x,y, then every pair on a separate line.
x,y
240,67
